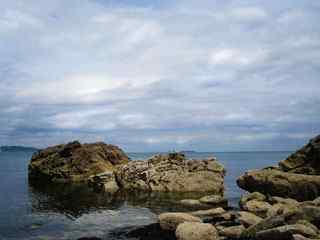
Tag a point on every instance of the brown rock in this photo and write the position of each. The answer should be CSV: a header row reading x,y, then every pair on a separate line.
x,y
196,231
233,232
248,219
170,221
172,173
74,162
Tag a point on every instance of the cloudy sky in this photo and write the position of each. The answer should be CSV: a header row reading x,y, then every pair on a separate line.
x,y
160,75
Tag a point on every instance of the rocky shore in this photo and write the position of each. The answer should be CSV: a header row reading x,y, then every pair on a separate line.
x,y
295,177
283,202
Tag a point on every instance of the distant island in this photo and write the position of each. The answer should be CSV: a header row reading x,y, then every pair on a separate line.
x,y
188,152
17,149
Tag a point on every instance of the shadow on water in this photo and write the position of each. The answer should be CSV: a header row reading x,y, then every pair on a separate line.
x,y
74,200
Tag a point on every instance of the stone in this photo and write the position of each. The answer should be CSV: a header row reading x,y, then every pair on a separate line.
x,y
285,232
278,183
105,181
75,162
215,212
259,208
297,177
192,203
305,160
299,237
248,219
170,221
286,201
233,232
251,196
172,173
215,200
196,231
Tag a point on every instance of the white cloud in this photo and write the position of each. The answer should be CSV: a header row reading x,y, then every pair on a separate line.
x,y
248,14
181,73
226,56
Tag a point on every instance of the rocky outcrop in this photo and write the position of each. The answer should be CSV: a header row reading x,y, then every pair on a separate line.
x,y
305,161
296,177
75,162
172,173
279,183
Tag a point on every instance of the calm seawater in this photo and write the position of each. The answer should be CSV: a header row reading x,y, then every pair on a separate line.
x,y
43,212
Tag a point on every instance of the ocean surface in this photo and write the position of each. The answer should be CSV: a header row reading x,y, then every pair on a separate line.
x,y
45,212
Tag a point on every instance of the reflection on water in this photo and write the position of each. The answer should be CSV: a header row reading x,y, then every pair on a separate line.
x,y
74,200
36,211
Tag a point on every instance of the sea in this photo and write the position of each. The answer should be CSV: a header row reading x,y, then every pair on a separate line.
x,y
60,212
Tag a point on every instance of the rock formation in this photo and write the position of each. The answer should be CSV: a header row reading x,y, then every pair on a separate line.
x,y
297,177
172,173
74,162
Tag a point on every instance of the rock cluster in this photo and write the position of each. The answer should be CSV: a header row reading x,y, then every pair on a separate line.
x,y
172,173
75,162
260,217
295,177
107,167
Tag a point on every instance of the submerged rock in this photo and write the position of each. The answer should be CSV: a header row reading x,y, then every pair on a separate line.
x,y
172,173
296,177
74,162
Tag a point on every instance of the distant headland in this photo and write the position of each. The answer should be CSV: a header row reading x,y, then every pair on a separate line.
x,y
17,149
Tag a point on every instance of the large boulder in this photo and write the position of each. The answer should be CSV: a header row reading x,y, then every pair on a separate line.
x,y
172,173
74,162
296,177
170,221
278,183
196,231
306,160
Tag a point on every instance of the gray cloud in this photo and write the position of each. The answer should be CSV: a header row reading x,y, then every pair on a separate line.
x,y
161,75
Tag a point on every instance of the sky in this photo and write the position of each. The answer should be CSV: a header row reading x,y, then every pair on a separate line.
x,y
160,75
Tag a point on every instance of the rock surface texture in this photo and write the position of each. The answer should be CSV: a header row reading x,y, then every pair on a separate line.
x,y
196,231
172,173
74,162
296,177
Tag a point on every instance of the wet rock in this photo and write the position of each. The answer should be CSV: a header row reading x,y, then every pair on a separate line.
x,y
74,162
170,221
248,219
196,231
172,173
